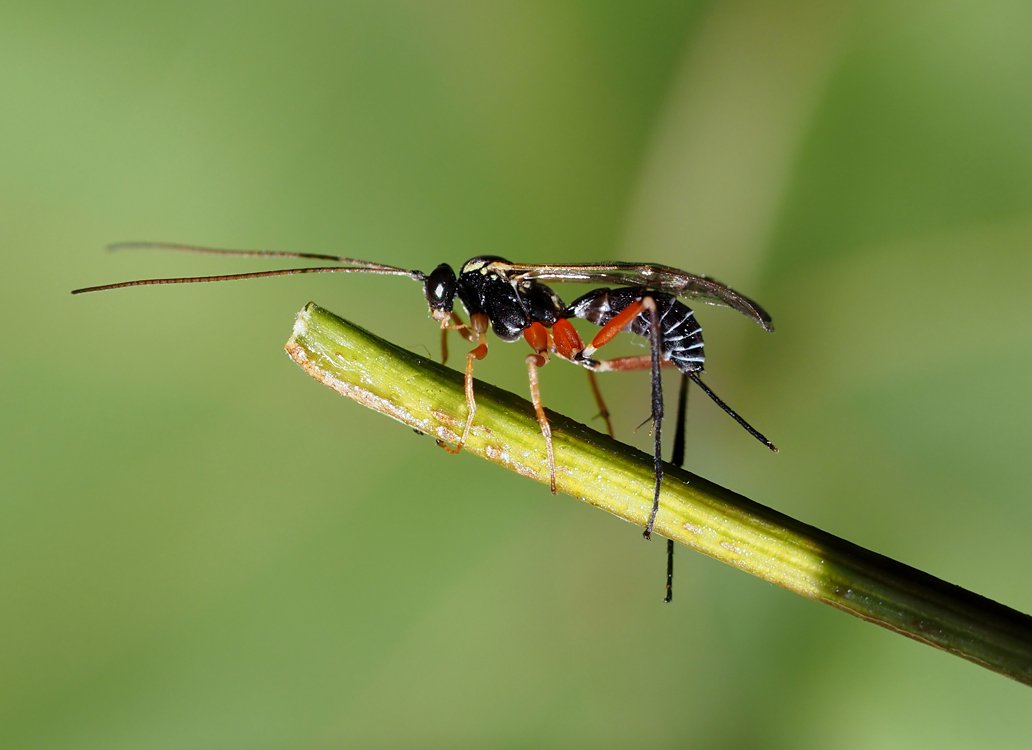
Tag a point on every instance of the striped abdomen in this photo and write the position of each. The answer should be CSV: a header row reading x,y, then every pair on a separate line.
x,y
681,334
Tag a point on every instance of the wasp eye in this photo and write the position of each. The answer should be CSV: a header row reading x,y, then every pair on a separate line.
x,y
439,289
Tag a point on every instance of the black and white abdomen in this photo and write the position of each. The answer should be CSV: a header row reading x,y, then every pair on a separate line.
x,y
681,333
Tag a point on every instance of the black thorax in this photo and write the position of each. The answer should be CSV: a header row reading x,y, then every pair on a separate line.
x,y
510,307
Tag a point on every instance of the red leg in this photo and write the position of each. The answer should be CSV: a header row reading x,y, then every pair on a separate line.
x,y
603,410
538,337
535,361
622,364
455,324
646,305
615,325
478,326
568,344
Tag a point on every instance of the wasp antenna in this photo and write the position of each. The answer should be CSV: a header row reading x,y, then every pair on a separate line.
x,y
732,413
383,271
179,247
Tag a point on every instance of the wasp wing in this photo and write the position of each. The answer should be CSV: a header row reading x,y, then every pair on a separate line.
x,y
649,275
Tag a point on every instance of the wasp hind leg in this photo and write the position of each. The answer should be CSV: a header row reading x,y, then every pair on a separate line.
x,y
656,343
677,459
645,305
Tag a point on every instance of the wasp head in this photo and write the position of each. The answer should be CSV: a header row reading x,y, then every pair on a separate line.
x,y
439,288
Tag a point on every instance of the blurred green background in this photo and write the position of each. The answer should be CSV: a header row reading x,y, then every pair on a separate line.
x,y
200,547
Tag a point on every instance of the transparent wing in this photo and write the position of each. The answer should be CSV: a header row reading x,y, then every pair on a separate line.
x,y
649,275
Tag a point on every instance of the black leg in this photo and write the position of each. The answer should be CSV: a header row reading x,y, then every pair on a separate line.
x,y
677,459
656,343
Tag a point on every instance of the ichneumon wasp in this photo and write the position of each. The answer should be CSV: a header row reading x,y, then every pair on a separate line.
x,y
513,300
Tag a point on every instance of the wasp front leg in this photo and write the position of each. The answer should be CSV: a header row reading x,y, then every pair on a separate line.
x,y
478,323
454,323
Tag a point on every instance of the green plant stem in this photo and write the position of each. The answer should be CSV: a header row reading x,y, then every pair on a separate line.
x,y
700,514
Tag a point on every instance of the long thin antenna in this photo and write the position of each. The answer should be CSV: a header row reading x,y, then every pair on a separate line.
x,y
349,265
179,247
251,275
732,413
